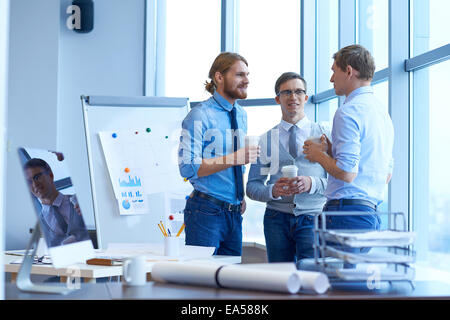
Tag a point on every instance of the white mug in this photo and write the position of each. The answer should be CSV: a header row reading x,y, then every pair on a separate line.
x,y
134,271
172,246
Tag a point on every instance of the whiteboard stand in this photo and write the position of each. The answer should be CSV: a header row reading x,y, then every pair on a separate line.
x,y
106,114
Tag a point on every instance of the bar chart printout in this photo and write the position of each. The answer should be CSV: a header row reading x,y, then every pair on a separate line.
x,y
131,199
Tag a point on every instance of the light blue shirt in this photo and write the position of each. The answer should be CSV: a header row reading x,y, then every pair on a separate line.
x,y
207,134
363,139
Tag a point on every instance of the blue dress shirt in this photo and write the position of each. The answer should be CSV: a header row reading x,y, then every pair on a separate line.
x,y
363,139
207,134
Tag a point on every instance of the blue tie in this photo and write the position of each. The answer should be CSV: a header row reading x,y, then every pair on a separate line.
x,y
293,147
237,169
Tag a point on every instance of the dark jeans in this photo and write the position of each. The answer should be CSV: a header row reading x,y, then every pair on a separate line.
x,y
210,225
288,237
359,222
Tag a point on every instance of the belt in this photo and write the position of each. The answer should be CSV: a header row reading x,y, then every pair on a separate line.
x,y
357,202
226,205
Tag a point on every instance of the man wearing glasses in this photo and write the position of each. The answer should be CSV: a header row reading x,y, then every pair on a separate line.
x,y
291,202
60,217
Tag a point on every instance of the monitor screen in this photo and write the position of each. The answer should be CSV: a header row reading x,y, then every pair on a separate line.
x,y
58,210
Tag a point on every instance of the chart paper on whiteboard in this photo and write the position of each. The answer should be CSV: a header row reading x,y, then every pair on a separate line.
x,y
141,162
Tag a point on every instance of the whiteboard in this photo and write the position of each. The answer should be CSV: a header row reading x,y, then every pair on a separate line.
x,y
108,115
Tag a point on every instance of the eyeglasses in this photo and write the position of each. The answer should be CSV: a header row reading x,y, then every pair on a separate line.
x,y
36,178
287,93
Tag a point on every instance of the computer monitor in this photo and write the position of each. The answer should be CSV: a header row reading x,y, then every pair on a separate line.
x,y
59,214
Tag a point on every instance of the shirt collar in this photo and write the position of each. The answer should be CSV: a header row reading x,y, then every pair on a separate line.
x,y
222,102
358,91
58,201
301,124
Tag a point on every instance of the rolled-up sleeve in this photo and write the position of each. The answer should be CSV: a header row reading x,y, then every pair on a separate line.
x,y
191,144
256,186
346,142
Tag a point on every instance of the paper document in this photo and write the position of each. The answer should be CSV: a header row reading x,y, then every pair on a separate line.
x,y
371,238
154,251
364,275
370,257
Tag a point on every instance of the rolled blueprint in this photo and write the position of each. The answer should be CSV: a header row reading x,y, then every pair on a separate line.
x,y
316,281
227,276
310,280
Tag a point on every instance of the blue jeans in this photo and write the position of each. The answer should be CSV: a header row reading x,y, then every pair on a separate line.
x,y
360,222
210,225
288,237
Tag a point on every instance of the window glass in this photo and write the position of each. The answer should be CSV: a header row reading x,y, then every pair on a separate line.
x,y
327,109
431,194
260,120
373,29
269,38
430,25
381,91
192,44
327,41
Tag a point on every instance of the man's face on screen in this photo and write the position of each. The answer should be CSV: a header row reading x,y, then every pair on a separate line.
x,y
40,182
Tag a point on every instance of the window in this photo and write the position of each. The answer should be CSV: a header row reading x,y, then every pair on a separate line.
x,y
260,120
269,38
373,28
431,194
327,41
327,109
192,44
430,25
381,91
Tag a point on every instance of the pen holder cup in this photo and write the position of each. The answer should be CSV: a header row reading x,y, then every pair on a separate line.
x,y
172,246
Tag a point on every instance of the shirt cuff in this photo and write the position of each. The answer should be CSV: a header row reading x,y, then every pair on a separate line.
x,y
271,194
353,168
313,186
189,171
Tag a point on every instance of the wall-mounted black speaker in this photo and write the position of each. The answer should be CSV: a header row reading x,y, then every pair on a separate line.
x,y
86,15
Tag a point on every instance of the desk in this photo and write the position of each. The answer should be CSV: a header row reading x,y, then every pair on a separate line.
x,y
154,290
91,272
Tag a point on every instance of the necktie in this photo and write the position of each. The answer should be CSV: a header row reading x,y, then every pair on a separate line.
x,y
61,222
293,147
237,169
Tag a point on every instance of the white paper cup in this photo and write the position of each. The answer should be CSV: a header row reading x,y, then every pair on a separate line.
x,y
315,139
172,246
289,171
251,141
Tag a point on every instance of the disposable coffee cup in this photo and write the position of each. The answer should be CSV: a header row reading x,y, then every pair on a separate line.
x,y
315,139
172,246
289,171
251,141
